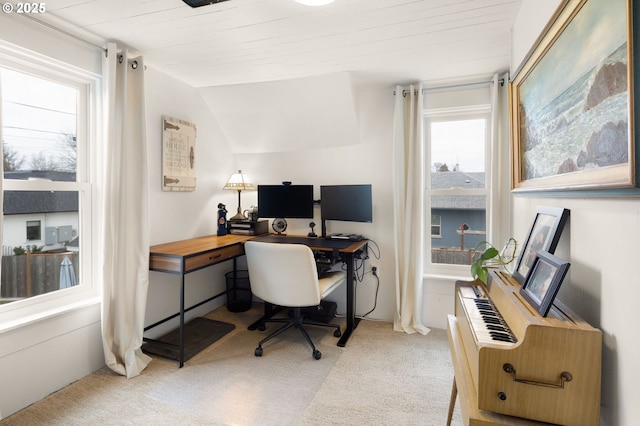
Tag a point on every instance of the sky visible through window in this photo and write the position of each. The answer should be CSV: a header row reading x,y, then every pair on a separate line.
x,y
38,116
459,142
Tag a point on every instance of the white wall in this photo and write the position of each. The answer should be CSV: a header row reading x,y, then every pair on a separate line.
x,y
367,161
182,215
600,240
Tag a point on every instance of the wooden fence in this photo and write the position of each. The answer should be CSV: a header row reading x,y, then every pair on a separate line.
x,y
33,274
452,256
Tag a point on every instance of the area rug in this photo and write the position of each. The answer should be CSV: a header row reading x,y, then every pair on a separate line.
x,y
199,333
228,384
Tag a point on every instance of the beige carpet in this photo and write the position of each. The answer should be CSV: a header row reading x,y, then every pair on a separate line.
x,y
381,377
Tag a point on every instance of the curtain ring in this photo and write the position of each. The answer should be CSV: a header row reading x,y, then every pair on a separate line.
x,y
120,58
134,64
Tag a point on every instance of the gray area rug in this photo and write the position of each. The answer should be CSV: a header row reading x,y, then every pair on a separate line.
x,y
199,333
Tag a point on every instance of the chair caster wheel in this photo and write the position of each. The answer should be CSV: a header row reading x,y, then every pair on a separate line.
x,y
258,351
337,333
317,354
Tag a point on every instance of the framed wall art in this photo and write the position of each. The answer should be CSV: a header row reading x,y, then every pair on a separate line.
x,y
572,102
543,281
178,155
544,235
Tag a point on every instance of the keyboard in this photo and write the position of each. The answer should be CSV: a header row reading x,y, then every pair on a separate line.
x,y
350,237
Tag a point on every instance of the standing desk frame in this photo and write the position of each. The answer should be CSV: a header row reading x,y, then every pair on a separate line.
x,y
186,256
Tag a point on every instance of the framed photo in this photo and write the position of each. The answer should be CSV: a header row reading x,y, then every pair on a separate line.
x,y
572,102
544,234
543,281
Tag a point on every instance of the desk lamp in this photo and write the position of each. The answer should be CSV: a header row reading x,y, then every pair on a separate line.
x,y
239,182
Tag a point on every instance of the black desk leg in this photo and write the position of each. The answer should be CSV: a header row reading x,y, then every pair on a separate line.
x,y
269,311
352,321
181,320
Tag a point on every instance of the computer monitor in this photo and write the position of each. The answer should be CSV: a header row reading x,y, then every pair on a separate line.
x,y
350,203
285,201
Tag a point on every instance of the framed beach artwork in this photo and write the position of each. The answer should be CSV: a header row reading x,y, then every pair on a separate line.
x,y
572,102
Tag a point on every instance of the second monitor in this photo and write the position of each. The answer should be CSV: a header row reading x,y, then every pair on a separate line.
x,y
350,203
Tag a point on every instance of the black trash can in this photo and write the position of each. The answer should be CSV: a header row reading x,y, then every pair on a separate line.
x,y
239,296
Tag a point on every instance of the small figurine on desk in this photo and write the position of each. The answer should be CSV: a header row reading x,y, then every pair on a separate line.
x,y
222,219
312,233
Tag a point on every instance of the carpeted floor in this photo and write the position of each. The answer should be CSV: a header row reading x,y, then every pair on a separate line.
x,y
381,377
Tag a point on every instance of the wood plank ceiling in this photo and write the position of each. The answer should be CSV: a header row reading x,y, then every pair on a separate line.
x,y
244,41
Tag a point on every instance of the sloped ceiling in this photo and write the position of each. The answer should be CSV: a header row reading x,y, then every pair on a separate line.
x,y
288,115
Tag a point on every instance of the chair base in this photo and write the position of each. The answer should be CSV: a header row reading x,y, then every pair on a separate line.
x,y
298,322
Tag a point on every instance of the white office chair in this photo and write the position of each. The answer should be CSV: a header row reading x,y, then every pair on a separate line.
x,y
286,275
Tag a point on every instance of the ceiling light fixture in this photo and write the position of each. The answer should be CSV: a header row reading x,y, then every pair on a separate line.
x,y
314,2
200,3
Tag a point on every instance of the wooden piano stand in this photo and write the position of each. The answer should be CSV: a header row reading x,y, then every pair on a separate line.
x,y
549,373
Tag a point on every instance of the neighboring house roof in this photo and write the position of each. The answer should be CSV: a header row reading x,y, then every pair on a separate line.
x,y
448,180
41,174
29,202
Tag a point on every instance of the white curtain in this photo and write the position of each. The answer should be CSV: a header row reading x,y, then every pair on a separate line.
x,y
408,204
500,180
1,181
126,214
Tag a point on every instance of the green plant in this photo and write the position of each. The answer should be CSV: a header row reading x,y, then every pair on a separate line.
x,y
492,257
19,250
35,249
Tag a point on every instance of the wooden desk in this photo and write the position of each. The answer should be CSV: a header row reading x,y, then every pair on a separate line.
x,y
183,257
186,256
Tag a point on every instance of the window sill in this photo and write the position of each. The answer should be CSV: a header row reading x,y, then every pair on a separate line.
x,y
448,277
7,326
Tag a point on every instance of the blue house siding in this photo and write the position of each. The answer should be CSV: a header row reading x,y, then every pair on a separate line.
x,y
451,221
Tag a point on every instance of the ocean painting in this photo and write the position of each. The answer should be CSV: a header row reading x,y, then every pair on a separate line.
x,y
573,106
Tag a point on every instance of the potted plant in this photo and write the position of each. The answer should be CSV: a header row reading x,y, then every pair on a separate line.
x,y
491,257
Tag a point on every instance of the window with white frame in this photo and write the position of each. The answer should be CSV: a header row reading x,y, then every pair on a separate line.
x,y
457,141
436,226
46,135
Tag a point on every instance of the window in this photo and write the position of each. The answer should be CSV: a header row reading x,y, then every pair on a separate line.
x,y
456,137
46,134
436,225
33,230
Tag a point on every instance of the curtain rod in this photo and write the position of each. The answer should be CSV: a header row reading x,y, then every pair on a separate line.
x,y
64,32
453,86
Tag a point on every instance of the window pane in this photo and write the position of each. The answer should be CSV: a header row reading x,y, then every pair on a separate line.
x,y
457,150
463,225
39,124
458,146
33,230
34,267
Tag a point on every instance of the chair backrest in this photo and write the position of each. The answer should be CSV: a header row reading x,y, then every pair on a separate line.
x,y
283,274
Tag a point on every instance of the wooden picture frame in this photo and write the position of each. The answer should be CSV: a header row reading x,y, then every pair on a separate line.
x,y
543,235
572,102
543,281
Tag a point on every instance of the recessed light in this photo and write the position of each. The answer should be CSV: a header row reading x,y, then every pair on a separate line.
x,y
314,2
